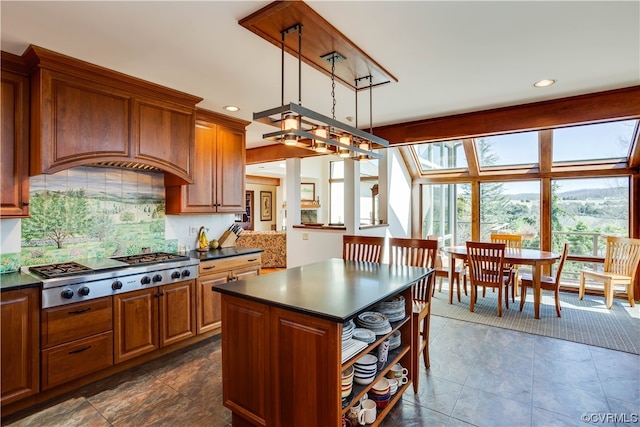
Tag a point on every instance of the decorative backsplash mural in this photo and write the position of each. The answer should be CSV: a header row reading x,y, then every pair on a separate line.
x,y
94,212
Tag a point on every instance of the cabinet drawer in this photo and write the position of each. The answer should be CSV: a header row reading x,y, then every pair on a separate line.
x,y
75,321
76,359
213,266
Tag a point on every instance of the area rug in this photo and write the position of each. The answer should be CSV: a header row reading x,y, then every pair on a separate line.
x,y
587,321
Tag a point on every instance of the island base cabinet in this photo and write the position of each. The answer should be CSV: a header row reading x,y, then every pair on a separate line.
x,y
280,368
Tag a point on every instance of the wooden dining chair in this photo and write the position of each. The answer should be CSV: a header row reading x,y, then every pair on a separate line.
x,y
549,283
486,269
417,253
362,248
511,241
620,266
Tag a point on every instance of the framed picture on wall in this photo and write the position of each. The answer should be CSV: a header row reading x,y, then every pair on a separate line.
x,y
307,191
266,205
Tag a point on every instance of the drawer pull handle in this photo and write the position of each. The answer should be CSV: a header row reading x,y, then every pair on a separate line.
x,y
80,350
252,260
84,310
208,268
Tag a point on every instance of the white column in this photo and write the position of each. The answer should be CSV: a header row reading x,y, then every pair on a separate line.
x,y
293,192
352,196
383,186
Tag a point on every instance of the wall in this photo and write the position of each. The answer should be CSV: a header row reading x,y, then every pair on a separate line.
x,y
92,212
258,224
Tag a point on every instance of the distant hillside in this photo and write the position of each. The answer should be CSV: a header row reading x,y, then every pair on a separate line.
x,y
581,194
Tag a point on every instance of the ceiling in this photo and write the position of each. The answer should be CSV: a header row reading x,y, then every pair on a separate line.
x,y
449,57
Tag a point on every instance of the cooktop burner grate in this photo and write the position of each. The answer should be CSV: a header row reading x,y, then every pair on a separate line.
x,y
155,257
59,270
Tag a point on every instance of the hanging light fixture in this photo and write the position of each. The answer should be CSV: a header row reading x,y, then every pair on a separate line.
x,y
298,124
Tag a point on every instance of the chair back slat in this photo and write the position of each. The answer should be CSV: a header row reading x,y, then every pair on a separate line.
x,y
415,253
486,263
362,248
622,256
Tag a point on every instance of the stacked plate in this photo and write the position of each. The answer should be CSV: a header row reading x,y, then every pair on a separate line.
x,y
365,369
380,393
364,335
394,340
394,308
347,330
351,347
347,381
374,321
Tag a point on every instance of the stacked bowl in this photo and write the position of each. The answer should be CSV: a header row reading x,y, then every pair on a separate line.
x,y
376,322
347,381
394,308
365,369
380,392
395,340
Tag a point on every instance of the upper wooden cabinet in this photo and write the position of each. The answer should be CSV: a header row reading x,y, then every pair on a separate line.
x,y
84,114
14,115
219,170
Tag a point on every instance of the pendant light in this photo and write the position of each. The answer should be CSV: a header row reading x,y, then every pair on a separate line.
x,y
298,124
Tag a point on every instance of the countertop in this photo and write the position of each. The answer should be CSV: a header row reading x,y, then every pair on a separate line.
x,y
223,253
13,281
333,289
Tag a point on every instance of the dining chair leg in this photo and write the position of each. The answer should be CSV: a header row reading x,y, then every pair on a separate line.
x,y
581,288
415,345
506,295
557,295
630,295
608,293
500,301
472,301
523,296
457,280
425,336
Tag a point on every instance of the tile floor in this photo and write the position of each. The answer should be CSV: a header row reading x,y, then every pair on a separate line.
x,y
480,375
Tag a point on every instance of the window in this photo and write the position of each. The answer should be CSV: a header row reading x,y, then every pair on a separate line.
x,y
446,212
511,207
508,150
433,156
602,141
369,206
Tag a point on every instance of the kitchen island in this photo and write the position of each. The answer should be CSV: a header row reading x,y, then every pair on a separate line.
x,y
282,336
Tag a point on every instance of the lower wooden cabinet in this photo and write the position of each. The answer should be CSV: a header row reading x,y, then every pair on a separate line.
x,y
148,319
20,326
217,272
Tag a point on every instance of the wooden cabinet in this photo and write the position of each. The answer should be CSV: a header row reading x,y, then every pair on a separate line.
x,y
219,169
148,319
216,272
19,363
14,115
76,340
85,114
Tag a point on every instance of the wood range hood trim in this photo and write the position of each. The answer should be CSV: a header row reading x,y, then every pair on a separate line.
x,y
319,38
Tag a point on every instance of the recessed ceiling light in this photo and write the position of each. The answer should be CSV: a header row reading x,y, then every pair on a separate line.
x,y
231,108
544,83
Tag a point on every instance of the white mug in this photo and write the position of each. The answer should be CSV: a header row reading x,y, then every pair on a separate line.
x,y
356,412
402,380
369,410
397,371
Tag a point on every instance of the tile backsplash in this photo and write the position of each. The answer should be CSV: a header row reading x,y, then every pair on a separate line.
x,y
91,212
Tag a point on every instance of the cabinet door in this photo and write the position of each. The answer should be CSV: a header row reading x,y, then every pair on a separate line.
x,y
177,312
79,121
14,172
164,136
209,312
19,322
230,166
135,323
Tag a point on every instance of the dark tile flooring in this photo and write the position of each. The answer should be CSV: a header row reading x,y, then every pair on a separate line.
x,y
480,375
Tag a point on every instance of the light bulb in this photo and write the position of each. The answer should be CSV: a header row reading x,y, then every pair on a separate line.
x,y
290,121
291,139
320,146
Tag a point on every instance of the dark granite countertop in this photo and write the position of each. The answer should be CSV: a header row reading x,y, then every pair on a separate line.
x,y
333,289
223,253
13,281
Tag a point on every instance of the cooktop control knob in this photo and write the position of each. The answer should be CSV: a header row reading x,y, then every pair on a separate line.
x,y
157,278
84,291
186,273
67,294
116,285
175,275
145,280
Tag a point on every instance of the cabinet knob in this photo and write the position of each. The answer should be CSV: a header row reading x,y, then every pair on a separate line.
x,y
25,203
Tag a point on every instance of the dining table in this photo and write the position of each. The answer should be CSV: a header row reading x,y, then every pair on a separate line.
x,y
533,257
